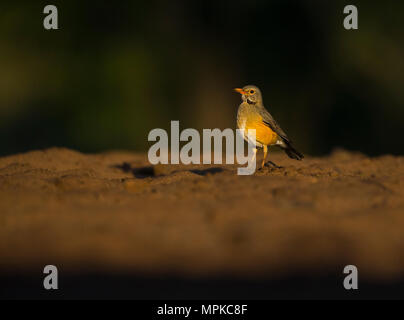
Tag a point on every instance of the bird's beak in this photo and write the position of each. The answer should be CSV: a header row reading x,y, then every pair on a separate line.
x,y
241,91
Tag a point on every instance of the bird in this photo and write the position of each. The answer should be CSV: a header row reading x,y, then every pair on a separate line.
x,y
252,114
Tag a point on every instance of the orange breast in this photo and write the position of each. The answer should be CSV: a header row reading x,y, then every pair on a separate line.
x,y
264,134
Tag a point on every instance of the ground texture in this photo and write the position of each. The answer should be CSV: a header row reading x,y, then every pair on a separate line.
x,y
115,213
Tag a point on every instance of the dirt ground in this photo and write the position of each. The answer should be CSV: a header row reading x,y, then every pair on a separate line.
x,y
113,212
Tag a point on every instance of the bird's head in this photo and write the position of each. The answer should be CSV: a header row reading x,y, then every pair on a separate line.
x,y
250,94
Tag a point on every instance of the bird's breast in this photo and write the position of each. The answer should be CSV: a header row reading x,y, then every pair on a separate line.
x,y
249,118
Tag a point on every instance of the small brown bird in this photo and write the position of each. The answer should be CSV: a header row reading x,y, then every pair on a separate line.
x,y
253,115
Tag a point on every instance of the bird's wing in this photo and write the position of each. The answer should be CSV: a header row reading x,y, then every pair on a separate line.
x,y
270,122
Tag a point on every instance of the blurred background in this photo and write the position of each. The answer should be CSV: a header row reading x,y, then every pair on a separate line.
x,y
117,69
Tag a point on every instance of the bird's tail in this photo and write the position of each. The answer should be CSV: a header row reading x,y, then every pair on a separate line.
x,y
292,152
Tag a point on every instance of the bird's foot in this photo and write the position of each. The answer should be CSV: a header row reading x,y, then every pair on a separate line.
x,y
272,164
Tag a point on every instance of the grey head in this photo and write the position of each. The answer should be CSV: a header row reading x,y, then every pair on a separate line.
x,y
250,94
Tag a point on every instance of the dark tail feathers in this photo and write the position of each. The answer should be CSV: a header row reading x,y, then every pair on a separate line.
x,y
292,152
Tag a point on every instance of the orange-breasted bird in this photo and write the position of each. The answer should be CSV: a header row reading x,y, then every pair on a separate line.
x,y
252,114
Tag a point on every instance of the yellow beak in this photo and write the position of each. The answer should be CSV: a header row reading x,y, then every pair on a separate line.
x,y
241,91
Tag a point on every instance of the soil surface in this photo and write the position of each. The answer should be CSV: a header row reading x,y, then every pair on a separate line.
x,y
113,212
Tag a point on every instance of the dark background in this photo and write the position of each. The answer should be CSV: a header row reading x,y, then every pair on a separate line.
x,y
117,69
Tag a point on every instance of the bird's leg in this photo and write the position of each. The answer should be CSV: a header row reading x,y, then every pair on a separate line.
x,y
252,163
269,162
265,156
254,155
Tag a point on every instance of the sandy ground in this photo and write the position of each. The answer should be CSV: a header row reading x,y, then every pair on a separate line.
x,y
112,212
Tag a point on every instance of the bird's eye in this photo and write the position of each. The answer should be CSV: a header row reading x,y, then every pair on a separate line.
x,y
252,91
